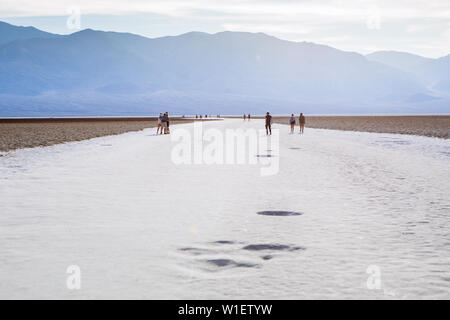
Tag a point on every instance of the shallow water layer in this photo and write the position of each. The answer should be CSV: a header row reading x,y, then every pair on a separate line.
x,y
140,226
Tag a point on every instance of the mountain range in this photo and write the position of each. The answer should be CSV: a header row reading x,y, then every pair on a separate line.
x,y
108,73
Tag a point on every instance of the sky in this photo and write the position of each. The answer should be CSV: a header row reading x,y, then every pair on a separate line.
x,y
417,26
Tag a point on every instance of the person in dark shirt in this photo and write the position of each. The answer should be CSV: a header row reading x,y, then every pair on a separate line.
x,y
292,123
165,122
268,124
167,117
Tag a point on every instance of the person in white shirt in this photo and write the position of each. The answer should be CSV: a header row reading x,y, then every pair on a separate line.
x,y
159,124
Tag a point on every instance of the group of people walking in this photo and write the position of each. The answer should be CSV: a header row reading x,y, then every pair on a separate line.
x,y
163,123
301,122
200,116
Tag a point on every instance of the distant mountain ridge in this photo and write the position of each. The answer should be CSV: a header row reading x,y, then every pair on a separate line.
x,y
435,73
97,72
396,59
9,33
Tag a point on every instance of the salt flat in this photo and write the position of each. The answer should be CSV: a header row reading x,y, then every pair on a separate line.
x,y
140,226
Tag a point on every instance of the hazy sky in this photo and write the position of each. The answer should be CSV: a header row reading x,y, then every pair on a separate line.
x,y
416,26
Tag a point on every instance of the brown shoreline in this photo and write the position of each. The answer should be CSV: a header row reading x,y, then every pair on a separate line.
x,y
422,125
17,133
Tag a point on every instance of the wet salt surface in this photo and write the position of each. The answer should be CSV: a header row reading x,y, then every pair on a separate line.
x,y
140,226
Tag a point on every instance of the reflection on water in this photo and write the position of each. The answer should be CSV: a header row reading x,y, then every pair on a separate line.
x,y
264,156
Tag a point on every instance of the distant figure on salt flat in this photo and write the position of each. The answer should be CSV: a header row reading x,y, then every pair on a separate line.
x,y
301,122
165,123
292,123
268,124
245,117
167,115
159,124
249,117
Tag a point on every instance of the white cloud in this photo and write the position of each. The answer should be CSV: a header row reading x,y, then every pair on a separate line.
x,y
373,20
329,8
295,29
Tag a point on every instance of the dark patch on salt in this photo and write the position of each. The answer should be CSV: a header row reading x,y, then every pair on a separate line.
x,y
295,148
194,251
228,262
399,142
246,265
221,262
296,248
259,247
274,247
264,156
224,242
267,257
279,213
